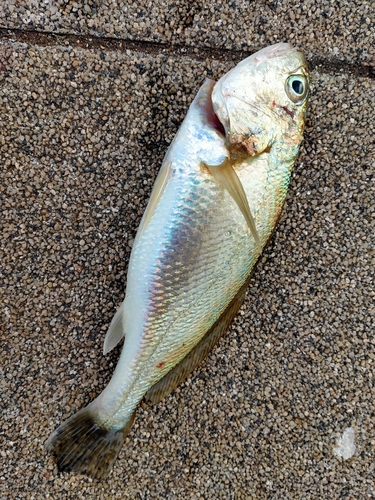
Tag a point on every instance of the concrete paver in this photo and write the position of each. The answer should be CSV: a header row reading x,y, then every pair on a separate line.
x,y
82,136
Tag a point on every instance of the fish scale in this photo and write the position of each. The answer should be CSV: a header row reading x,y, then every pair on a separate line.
x,y
214,284
217,247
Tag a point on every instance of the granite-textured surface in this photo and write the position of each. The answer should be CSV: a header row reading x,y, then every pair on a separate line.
x,y
336,29
270,413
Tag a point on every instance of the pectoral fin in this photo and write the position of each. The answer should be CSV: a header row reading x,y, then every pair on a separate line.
x,y
225,175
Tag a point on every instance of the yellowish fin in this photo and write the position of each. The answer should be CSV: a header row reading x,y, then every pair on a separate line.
x,y
225,175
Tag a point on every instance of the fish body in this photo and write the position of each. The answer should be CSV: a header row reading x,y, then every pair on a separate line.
x,y
214,205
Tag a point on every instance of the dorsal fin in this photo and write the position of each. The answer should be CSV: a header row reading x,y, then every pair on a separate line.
x,y
187,365
115,331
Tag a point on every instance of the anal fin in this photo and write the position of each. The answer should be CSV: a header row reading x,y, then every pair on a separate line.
x,y
115,331
187,365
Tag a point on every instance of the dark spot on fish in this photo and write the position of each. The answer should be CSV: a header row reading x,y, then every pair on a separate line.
x,y
287,110
160,365
273,104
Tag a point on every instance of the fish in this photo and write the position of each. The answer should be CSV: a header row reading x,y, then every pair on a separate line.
x,y
214,206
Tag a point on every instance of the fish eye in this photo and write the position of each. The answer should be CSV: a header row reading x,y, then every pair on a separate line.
x,y
297,88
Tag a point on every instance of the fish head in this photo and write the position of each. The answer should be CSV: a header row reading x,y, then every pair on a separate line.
x,y
262,100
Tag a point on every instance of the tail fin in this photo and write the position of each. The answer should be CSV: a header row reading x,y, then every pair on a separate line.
x,y
82,445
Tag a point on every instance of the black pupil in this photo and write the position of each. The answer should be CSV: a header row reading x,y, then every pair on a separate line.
x,y
297,86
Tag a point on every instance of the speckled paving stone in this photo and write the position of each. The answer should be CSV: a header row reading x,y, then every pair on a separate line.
x,y
268,414
335,29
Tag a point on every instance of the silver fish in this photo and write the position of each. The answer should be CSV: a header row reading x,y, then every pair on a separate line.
x,y
213,207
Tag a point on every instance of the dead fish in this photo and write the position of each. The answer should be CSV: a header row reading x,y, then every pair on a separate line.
x,y
213,207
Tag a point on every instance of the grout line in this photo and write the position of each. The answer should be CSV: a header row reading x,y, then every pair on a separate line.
x,y
324,65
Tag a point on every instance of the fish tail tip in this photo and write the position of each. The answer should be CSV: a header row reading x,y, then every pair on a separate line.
x,y
82,445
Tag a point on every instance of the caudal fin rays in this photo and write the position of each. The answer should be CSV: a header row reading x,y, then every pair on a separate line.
x,y
82,445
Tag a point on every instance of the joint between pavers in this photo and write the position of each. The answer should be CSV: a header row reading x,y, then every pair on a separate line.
x,y
332,65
